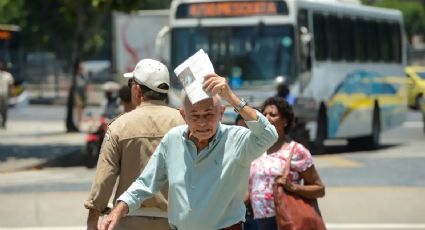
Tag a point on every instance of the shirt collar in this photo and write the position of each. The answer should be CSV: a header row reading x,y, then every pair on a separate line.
x,y
214,140
151,102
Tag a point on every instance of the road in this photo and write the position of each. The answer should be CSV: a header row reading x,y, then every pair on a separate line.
x,y
380,189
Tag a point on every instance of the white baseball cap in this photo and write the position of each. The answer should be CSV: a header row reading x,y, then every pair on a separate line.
x,y
150,73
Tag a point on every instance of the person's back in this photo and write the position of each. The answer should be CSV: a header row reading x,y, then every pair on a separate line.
x,y
153,120
128,145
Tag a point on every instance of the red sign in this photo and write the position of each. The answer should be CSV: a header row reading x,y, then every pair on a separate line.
x,y
5,35
232,9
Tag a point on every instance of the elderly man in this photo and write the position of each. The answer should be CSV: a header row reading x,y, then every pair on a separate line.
x,y
205,162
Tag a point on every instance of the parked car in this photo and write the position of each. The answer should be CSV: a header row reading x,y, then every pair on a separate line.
x,y
416,85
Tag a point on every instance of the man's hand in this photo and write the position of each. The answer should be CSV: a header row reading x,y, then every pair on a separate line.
x,y
93,219
110,221
217,85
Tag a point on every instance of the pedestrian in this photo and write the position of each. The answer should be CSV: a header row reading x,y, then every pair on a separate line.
x,y
303,178
111,104
240,121
80,93
125,99
205,162
130,141
6,89
283,91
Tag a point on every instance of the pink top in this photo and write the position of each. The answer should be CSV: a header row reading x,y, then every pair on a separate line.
x,y
266,167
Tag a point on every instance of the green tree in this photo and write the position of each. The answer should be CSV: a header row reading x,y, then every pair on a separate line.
x,y
11,11
74,30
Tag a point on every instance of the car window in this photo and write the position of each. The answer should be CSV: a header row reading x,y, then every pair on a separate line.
x,y
421,74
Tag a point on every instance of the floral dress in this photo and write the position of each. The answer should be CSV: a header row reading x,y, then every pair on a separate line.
x,y
264,170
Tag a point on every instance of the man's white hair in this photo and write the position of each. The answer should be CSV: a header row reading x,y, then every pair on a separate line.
x,y
185,97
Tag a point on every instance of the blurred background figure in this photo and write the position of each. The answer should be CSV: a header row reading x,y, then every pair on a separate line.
x,y
117,101
125,99
80,94
282,90
111,102
6,90
240,121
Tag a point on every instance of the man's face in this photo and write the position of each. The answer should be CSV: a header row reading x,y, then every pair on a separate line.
x,y
202,118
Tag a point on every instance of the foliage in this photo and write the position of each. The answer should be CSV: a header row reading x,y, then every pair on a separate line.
x,y
73,29
69,28
11,11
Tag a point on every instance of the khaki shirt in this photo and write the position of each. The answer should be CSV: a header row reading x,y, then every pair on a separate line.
x,y
130,141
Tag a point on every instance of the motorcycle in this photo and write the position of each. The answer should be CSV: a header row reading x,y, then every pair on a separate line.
x,y
97,130
94,141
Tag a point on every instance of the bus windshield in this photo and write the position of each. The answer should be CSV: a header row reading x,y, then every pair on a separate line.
x,y
10,50
253,54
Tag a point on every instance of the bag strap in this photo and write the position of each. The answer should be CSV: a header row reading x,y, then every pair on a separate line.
x,y
287,166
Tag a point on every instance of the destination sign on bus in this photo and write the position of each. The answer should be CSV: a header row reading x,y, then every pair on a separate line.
x,y
231,9
5,35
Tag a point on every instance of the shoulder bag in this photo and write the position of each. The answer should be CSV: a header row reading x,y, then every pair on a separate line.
x,y
294,212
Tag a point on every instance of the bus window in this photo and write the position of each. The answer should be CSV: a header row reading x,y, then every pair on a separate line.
x,y
373,40
10,50
261,53
360,40
332,37
320,45
385,32
305,38
396,42
347,37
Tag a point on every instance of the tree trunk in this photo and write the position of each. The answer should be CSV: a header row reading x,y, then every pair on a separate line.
x,y
70,125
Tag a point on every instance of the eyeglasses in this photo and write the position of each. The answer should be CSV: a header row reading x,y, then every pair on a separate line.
x,y
130,82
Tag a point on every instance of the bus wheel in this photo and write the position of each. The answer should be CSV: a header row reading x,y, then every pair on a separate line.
x,y
371,141
321,135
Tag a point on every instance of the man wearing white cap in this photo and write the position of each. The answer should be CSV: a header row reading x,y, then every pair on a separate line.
x,y
130,141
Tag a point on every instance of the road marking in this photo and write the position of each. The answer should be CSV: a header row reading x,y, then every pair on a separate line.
x,y
375,226
413,124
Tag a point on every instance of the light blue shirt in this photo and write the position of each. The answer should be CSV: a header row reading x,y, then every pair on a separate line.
x,y
206,189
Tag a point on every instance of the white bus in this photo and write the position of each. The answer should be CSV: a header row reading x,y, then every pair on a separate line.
x,y
343,61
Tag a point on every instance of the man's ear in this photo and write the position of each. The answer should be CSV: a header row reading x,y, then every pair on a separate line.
x,y
139,91
222,109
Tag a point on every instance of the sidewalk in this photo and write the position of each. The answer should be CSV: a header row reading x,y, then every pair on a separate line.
x,y
35,136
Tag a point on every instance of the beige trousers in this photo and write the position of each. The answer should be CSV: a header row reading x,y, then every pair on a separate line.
x,y
142,222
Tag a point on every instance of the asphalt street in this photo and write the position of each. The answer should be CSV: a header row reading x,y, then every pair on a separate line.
x,y
380,189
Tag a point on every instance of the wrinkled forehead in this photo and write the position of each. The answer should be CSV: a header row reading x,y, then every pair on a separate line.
x,y
209,104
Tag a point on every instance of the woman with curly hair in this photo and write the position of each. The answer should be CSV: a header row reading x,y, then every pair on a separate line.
x,y
303,178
